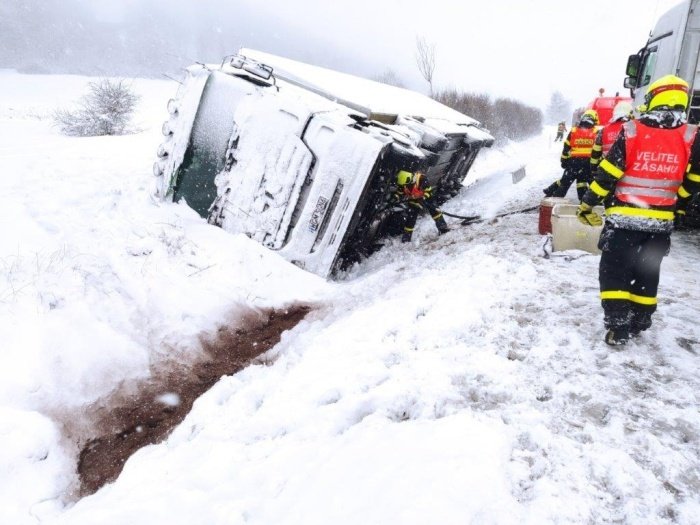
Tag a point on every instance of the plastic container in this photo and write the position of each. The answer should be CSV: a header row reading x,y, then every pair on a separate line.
x,y
546,205
568,233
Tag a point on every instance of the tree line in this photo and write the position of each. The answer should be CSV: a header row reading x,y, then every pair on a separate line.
x,y
505,118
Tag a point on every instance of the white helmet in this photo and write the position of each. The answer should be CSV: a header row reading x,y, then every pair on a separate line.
x,y
622,109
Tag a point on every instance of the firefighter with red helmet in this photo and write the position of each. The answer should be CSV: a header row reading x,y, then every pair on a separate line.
x,y
416,195
639,181
622,112
576,157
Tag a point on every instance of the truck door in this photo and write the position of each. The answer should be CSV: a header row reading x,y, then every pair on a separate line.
x,y
688,60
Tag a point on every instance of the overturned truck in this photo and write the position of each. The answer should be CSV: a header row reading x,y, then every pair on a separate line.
x,y
304,159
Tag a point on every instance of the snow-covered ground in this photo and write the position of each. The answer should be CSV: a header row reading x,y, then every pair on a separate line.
x,y
456,379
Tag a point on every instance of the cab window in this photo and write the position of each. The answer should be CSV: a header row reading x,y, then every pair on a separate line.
x,y
648,66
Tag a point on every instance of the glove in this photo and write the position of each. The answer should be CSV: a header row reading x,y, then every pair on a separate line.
x,y
564,163
587,216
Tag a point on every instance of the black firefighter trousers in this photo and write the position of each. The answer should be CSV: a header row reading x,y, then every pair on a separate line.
x,y
413,208
629,276
578,170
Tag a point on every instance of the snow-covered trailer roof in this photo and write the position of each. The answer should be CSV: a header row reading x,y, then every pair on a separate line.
x,y
380,99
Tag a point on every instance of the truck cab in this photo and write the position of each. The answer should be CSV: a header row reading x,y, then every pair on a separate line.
x,y
304,159
672,49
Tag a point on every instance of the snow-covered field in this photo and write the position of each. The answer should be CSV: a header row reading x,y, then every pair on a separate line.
x,y
459,379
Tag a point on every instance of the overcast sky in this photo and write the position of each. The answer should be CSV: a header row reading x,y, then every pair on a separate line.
x,y
524,49
521,49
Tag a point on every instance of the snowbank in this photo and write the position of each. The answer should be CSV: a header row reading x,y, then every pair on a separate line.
x,y
456,379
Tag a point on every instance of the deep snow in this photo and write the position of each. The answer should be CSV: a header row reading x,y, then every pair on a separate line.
x,y
456,379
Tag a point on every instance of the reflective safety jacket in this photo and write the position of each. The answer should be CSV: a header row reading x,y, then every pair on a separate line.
x,y
604,140
609,133
641,175
656,162
579,143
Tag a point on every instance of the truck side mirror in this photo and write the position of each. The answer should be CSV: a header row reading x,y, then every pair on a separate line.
x,y
633,63
630,82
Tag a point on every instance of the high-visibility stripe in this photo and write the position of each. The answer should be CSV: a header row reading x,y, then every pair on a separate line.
x,y
437,216
596,147
580,152
615,294
651,192
693,177
641,299
407,229
650,183
582,185
640,212
610,168
683,192
680,212
599,190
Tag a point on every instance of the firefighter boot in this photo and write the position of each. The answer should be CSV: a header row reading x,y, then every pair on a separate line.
x,y
441,224
406,236
641,321
617,336
552,189
617,321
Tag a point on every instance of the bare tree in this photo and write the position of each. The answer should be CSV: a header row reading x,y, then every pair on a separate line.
x,y
425,60
388,76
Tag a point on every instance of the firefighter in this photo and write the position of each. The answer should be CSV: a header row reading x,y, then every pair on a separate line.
x,y
690,186
576,157
416,196
639,181
561,129
622,112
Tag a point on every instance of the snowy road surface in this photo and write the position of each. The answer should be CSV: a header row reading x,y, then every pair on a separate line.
x,y
459,379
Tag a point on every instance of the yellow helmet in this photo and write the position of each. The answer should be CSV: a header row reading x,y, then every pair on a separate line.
x,y
589,116
669,91
404,177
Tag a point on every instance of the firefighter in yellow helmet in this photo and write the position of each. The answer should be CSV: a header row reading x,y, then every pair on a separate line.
x,y
576,157
640,181
413,191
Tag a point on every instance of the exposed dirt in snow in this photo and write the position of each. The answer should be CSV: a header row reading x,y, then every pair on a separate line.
x,y
127,423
